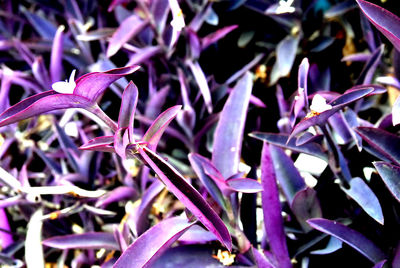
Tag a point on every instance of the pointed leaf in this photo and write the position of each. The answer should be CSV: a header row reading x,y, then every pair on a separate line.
x,y
272,210
157,128
99,143
287,174
386,22
351,237
42,103
198,163
128,28
390,175
228,135
93,85
365,197
333,245
188,195
150,245
382,141
119,193
128,107
56,55
83,241
245,185
201,80
281,140
215,36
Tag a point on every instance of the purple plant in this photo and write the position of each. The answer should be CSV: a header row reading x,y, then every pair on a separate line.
x,y
244,133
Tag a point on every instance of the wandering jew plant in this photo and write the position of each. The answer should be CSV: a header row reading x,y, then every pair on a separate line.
x,y
234,133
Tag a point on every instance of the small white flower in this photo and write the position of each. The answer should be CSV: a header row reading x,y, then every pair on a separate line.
x,y
65,87
319,104
285,7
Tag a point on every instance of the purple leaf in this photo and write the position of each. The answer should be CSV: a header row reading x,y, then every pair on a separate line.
x,y
228,135
200,166
333,245
285,55
287,174
390,175
121,141
380,264
337,104
351,237
305,206
201,80
271,206
157,128
302,97
40,72
365,197
261,260
382,141
156,102
197,235
150,245
128,107
245,185
56,68
42,103
6,239
128,28
119,193
188,195
370,67
83,241
93,85
148,198
281,140
144,54
386,22
307,137
215,36
99,143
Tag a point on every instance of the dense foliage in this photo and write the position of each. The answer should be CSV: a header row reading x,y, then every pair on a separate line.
x,y
250,133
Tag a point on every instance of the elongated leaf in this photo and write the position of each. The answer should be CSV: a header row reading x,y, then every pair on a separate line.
x,y
202,83
337,104
287,174
281,140
215,36
260,259
56,55
187,195
128,107
98,143
285,55
157,128
333,245
128,28
302,99
9,180
150,245
390,175
271,206
93,85
386,22
382,141
365,197
83,241
351,237
305,206
245,185
197,162
119,193
228,135
370,67
42,103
